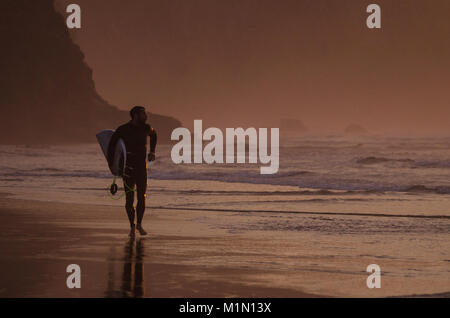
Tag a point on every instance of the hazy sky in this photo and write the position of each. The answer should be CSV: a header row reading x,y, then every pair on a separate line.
x,y
251,62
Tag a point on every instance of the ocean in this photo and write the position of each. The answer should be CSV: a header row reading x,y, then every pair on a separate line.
x,y
377,175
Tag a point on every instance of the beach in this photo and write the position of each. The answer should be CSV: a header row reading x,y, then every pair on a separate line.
x,y
192,253
180,257
336,206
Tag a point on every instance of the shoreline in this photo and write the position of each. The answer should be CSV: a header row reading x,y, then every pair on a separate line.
x,y
35,264
189,254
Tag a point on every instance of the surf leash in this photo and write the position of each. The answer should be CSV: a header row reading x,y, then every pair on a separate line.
x,y
114,188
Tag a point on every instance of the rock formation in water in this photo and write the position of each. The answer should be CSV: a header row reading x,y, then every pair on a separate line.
x,y
290,125
354,129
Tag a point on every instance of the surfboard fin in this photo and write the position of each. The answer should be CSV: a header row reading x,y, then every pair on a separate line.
x,y
113,188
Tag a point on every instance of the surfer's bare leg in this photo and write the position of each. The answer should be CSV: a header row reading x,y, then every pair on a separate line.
x,y
141,186
141,230
132,231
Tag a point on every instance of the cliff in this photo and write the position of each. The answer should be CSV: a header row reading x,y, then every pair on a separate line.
x,y
47,93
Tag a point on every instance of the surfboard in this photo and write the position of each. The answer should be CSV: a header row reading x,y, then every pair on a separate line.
x,y
120,153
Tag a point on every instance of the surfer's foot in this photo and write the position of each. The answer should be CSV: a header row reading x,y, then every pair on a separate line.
x,y
141,230
132,232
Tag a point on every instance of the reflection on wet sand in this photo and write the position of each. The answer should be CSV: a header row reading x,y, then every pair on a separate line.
x,y
132,282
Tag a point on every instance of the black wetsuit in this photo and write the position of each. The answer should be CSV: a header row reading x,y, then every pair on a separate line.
x,y
135,171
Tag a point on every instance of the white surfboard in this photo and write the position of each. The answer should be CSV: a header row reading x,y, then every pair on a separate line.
x,y
120,153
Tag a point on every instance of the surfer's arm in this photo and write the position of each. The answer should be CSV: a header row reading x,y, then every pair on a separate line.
x,y
153,141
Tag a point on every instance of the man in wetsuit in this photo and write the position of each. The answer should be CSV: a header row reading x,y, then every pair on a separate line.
x,y
134,134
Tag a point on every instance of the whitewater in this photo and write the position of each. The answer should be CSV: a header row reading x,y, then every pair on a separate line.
x,y
342,174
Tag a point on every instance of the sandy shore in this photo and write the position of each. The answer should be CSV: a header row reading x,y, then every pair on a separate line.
x,y
186,254
38,240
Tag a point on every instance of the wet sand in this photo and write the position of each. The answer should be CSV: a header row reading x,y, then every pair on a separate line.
x,y
39,239
188,254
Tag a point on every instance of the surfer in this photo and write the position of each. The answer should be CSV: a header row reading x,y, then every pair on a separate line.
x,y
134,134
